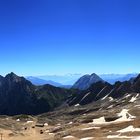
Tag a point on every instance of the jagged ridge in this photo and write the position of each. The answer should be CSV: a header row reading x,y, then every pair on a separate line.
x,y
101,89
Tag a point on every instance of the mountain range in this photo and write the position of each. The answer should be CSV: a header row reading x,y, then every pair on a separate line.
x,y
66,79
38,81
112,78
20,96
69,80
101,90
100,111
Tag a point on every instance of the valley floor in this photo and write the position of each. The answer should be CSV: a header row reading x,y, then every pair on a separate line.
x,y
106,119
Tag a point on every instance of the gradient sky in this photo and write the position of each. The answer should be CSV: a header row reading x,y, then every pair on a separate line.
x,y
40,37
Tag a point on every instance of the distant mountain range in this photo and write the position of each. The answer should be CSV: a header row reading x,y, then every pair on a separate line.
x,y
56,80
112,78
20,96
70,79
38,81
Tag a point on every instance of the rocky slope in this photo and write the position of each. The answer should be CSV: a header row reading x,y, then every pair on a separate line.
x,y
104,119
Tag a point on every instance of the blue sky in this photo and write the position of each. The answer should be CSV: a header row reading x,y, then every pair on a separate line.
x,y
40,37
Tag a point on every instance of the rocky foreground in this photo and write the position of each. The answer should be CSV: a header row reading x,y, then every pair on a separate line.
x,y
104,119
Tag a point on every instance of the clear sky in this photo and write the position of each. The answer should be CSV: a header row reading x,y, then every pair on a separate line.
x,y
40,37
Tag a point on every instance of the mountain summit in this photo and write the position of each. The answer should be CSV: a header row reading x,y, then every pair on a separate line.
x,y
86,81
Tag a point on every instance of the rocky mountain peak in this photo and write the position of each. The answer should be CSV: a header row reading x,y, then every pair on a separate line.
x,y
12,77
86,81
94,74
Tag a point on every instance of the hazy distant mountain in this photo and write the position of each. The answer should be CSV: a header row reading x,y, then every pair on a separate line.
x,y
112,78
68,79
86,81
38,81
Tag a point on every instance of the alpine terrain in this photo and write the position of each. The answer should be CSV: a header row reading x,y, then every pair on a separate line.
x,y
99,111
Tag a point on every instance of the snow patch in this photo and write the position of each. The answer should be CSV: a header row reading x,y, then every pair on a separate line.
x,y
77,105
68,137
45,124
136,138
18,120
58,124
70,123
87,138
127,96
118,136
51,133
111,99
29,122
99,120
90,128
137,105
104,98
110,106
47,131
129,129
133,99
125,116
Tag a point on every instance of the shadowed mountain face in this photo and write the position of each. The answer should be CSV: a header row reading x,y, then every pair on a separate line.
x,y
101,89
19,96
86,81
